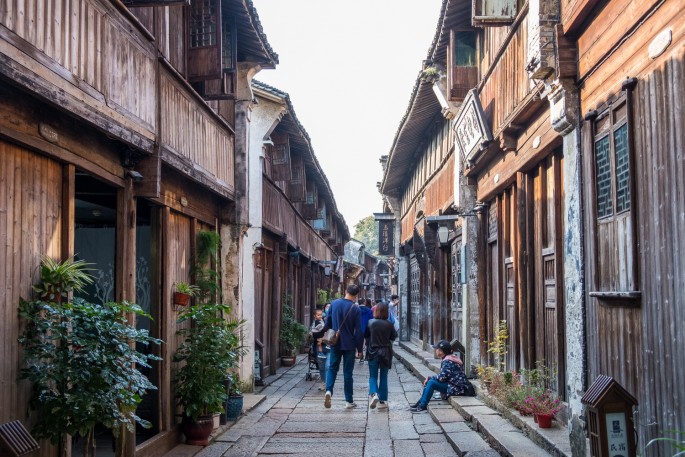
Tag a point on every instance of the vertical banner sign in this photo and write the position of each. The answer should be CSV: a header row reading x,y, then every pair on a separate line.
x,y
386,237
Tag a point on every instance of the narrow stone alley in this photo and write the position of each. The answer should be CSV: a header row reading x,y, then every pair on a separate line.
x,y
293,421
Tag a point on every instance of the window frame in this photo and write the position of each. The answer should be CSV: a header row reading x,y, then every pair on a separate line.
x,y
630,298
451,66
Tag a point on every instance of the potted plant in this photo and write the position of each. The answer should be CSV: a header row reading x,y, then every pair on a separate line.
x,y
184,292
544,405
210,348
430,74
291,335
234,403
81,358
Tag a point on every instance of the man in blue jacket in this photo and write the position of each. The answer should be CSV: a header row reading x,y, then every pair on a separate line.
x,y
344,315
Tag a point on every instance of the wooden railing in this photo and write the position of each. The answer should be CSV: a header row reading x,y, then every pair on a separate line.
x,y
281,217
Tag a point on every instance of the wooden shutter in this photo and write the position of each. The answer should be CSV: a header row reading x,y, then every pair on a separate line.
x,y
204,40
223,88
311,200
493,12
463,61
297,190
280,157
134,3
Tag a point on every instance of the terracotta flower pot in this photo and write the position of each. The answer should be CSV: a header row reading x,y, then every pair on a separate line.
x,y
197,432
545,420
181,299
288,360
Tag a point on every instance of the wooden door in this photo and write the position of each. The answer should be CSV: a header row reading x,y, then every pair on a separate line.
x,y
492,315
414,298
548,269
457,311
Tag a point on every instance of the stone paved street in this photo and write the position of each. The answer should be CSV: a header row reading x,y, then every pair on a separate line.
x,y
293,421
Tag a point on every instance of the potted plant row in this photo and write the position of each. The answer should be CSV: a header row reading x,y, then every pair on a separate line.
x,y
211,348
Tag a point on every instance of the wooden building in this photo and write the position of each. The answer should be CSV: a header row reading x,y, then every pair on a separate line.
x,y
299,233
123,134
630,86
418,183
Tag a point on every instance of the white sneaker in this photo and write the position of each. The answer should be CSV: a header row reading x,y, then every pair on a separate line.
x,y
350,405
374,401
383,405
327,399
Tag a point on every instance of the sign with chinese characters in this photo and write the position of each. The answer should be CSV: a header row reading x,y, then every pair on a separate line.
x,y
386,237
617,436
472,132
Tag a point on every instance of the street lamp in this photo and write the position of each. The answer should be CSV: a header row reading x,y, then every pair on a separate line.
x,y
443,234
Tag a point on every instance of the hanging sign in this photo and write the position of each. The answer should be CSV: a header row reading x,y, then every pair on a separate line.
x,y
386,233
472,133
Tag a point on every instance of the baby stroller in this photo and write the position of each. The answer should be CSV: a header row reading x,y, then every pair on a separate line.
x,y
312,362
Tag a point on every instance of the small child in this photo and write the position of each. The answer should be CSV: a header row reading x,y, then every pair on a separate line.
x,y
317,330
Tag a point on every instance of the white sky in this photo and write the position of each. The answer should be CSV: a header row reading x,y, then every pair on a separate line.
x,y
349,68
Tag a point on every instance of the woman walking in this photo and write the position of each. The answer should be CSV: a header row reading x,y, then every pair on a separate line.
x,y
380,334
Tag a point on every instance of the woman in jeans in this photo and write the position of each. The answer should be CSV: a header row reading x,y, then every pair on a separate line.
x,y
380,334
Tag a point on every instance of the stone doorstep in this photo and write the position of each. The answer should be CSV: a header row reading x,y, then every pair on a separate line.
x,y
480,411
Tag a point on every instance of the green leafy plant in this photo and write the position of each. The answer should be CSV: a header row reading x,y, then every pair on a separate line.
x,y
499,346
430,74
292,332
677,442
206,266
186,288
323,296
211,347
212,344
81,358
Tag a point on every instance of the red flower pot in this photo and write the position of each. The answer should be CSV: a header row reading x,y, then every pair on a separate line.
x,y
545,420
197,432
181,299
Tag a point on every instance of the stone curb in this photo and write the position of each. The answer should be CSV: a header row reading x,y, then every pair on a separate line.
x,y
553,441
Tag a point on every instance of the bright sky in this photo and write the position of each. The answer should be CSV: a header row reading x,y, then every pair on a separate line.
x,y
349,68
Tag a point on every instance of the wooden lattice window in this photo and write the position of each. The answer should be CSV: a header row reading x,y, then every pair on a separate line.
x,y
203,23
609,136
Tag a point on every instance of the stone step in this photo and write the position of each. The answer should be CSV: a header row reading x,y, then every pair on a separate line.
x,y
509,435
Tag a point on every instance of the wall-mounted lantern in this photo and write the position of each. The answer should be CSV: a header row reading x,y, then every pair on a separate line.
x,y
443,235
610,418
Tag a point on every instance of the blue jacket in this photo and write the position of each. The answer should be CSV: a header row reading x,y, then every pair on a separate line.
x,y
367,315
351,335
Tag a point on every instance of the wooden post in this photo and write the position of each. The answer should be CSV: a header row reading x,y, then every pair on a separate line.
x,y
522,253
68,211
125,279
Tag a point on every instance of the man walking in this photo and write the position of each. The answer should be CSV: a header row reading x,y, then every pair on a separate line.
x,y
344,316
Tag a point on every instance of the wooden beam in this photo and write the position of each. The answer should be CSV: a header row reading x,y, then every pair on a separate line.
x,y
68,211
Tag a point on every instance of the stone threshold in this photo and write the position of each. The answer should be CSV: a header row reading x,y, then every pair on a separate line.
x,y
504,429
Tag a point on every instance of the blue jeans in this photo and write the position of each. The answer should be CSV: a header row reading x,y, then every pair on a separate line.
x,y
334,359
322,362
376,385
431,386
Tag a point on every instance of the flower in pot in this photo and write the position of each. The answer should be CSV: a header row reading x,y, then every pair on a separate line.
x,y
211,347
292,334
544,404
184,292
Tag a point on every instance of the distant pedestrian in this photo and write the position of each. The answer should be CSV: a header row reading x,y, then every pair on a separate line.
x,y
395,310
380,334
344,315
367,315
326,309
450,381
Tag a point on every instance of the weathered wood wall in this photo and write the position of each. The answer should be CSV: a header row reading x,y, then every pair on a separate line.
x,y
640,346
85,49
30,227
192,131
505,82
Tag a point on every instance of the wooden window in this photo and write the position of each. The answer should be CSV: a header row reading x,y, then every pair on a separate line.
x,y
297,186
614,214
463,58
494,12
280,157
212,50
